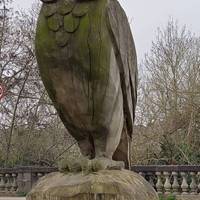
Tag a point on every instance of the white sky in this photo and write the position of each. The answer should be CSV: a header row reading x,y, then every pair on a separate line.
x,y
147,15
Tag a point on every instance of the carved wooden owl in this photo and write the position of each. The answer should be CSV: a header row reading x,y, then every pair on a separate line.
x,y
87,60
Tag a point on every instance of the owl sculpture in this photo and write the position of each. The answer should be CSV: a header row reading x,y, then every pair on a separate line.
x,y
87,61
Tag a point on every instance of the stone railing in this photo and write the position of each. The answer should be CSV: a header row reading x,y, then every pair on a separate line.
x,y
176,180
184,180
20,180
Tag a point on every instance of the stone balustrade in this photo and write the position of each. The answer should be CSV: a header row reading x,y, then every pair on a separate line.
x,y
176,180
20,180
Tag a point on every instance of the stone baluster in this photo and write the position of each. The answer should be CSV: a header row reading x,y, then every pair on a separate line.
x,y
34,178
175,185
8,183
39,175
2,183
14,182
184,185
151,181
167,184
198,175
142,174
159,184
193,184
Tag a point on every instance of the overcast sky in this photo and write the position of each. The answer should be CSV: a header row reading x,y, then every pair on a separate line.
x,y
147,15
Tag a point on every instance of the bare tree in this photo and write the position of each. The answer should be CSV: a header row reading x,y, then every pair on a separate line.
x,y
27,115
169,100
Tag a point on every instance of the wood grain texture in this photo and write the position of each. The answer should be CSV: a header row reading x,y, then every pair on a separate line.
x,y
104,185
126,58
87,61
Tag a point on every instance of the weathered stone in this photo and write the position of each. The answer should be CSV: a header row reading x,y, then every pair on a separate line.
x,y
103,185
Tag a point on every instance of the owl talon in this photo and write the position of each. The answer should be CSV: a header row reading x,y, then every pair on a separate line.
x,y
105,163
68,165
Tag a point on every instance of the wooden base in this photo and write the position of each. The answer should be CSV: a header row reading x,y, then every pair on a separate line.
x,y
102,185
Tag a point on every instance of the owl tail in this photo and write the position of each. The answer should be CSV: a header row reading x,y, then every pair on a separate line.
x,y
122,152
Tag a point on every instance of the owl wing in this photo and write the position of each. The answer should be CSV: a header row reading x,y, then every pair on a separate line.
x,y
125,53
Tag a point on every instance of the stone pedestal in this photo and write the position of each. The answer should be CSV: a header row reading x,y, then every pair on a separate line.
x,y
102,185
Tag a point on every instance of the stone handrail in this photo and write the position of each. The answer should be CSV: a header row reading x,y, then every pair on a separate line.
x,y
170,179
165,179
19,180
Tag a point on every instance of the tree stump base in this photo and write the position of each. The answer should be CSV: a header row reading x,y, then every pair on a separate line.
x,y
102,185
